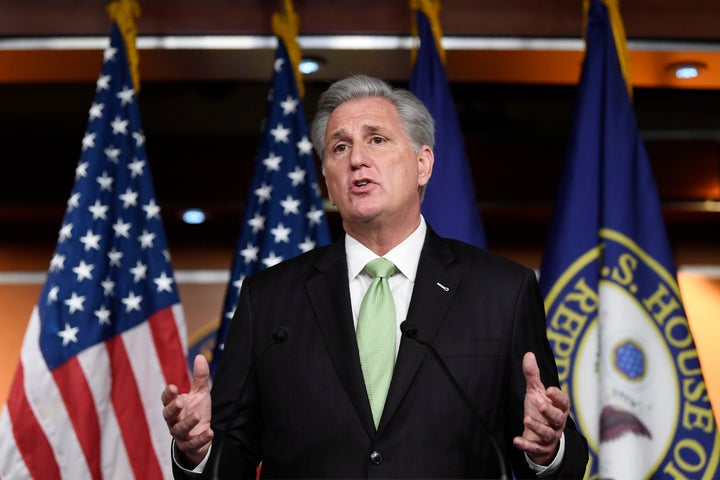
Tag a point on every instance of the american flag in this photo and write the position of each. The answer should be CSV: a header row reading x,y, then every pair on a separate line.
x,y
284,215
107,333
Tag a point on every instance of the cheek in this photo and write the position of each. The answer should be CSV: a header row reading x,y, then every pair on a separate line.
x,y
330,194
332,182
409,178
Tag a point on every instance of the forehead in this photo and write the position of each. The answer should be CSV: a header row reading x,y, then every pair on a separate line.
x,y
366,112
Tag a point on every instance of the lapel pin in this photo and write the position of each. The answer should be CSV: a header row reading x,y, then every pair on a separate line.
x,y
442,286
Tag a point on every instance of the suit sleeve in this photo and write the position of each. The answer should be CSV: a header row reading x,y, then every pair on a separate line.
x,y
529,334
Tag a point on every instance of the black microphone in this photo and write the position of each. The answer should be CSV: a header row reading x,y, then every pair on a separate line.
x,y
279,335
409,330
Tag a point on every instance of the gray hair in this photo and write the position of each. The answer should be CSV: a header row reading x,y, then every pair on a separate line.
x,y
416,121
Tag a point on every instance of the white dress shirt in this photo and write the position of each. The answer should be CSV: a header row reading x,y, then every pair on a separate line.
x,y
405,257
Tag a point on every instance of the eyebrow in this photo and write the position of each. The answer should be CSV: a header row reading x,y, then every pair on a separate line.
x,y
342,133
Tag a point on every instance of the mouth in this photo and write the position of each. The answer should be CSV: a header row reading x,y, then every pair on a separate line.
x,y
361,183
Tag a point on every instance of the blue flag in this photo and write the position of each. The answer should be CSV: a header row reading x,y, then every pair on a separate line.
x,y
284,215
449,206
107,333
616,321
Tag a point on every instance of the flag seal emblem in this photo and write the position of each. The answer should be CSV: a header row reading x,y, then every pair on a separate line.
x,y
645,383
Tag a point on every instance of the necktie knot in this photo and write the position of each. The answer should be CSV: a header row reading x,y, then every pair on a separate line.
x,y
380,267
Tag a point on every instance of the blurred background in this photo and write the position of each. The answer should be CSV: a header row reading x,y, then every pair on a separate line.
x,y
205,69
513,66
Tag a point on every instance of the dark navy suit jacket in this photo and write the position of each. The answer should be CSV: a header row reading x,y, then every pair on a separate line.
x,y
305,412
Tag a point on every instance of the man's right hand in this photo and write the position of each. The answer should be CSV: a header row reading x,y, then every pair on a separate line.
x,y
188,415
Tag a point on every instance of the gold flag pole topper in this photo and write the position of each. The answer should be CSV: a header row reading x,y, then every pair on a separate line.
x,y
286,26
124,13
431,9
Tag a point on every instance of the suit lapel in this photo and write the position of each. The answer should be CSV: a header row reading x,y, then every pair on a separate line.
x,y
334,316
432,295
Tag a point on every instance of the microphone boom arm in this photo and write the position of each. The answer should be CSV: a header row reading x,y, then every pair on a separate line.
x,y
409,330
279,335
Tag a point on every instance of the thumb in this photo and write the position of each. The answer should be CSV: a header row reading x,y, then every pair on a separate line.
x,y
532,372
201,374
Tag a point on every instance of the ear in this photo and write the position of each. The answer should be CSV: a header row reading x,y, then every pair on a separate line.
x,y
425,159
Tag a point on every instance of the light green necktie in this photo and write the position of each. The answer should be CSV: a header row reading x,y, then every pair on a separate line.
x,y
375,333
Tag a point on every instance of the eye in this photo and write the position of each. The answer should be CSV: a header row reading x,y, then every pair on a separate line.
x,y
340,147
377,140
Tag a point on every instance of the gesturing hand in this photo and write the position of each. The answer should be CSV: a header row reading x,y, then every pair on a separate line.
x,y
188,415
546,412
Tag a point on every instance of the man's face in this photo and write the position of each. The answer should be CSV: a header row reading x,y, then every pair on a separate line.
x,y
371,169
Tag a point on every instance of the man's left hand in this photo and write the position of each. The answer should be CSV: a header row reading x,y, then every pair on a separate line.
x,y
546,412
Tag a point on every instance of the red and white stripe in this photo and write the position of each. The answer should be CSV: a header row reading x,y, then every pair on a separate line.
x,y
99,415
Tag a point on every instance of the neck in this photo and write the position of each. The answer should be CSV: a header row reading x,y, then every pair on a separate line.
x,y
381,237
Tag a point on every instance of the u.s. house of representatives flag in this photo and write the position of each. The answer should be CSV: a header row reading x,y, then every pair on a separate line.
x,y
107,333
284,215
616,321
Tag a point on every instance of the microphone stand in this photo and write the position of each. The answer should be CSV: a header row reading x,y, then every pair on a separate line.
x,y
409,330
280,335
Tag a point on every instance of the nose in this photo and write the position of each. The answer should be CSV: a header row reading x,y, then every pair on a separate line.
x,y
359,156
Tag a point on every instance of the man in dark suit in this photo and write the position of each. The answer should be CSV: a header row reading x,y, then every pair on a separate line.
x,y
305,410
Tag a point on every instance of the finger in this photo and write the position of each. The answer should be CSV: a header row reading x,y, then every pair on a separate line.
x,y
196,445
171,411
201,374
558,408
558,398
169,394
541,454
532,372
181,430
553,417
539,432
541,409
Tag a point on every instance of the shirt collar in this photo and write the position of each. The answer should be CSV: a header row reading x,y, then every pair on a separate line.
x,y
405,256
